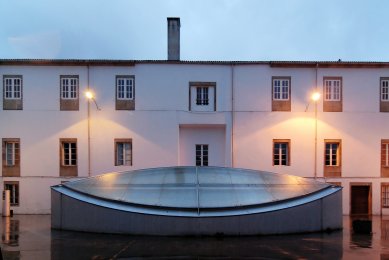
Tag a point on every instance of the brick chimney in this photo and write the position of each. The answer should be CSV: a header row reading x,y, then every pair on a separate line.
x,y
173,38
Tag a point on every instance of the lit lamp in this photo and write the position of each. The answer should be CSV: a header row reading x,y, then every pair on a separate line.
x,y
90,96
315,96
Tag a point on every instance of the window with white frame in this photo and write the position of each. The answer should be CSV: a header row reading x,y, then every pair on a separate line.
x,y
69,87
125,88
11,153
385,195
385,153
11,157
332,89
384,89
332,154
69,153
202,96
202,154
281,152
281,88
123,152
13,187
12,87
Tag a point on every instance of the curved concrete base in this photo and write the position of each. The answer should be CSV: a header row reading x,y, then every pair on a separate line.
x,y
71,214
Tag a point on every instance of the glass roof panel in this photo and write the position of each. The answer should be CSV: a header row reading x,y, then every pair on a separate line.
x,y
190,187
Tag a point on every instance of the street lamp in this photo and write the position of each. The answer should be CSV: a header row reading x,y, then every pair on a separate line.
x,y
315,96
90,96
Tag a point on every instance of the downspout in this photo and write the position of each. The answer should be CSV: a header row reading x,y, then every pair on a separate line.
x,y
316,88
232,115
89,145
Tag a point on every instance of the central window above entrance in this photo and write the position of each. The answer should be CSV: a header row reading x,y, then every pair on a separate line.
x,y
202,96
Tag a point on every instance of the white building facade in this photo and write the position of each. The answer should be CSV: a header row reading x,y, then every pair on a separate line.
x,y
251,115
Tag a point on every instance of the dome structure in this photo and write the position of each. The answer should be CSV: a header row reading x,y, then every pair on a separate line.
x,y
195,198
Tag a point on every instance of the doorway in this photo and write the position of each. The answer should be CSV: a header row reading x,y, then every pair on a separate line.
x,y
360,199
202,145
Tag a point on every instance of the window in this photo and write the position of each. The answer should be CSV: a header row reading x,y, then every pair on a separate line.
x,y
332,94
202,96
69,93
201,155
123,152
281,89
332,89
384,89
13,88
11,157
68,157
12,92
281,94
385,158
69,87
385,195
13,187
332,158
125,92
281,154
384,95
125,88
332,154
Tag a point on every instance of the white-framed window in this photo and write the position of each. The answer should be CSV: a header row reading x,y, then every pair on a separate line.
x,y
13,187
123,152
12,87
202,96
202,154
69,153
281,152
332,154
11,153
332,89
11,157
385,153
281,88
125,88
384,89
69,87
385,195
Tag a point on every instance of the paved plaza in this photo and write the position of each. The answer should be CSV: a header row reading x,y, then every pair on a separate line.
x,y
30,237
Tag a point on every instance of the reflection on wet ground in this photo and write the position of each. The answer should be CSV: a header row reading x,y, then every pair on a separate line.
x,y
30,237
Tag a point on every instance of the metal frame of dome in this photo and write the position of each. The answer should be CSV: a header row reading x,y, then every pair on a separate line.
x,y
183,195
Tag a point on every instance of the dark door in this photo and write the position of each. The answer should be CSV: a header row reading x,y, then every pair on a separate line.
x,y
360,198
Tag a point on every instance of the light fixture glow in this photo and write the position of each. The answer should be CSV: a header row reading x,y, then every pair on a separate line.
x,y
88,95
315,96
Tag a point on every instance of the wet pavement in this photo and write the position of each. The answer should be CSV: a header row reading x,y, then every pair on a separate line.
x,y
30,237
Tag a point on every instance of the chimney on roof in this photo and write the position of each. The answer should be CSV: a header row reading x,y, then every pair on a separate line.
x,y
173,38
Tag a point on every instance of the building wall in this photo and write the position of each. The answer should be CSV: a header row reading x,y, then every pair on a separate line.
x,y
162,106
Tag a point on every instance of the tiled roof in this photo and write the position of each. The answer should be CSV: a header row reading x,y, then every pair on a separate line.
x,y
108,62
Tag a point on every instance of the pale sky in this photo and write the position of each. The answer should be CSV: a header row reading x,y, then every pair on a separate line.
x,y
252,30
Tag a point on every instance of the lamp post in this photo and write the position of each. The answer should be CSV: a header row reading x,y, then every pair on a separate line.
x,y
90,96
315,97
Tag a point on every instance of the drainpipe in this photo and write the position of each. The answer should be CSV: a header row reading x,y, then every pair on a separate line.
x,y
316,88
89,157
232,115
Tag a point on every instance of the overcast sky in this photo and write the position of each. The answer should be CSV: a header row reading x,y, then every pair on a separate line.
x,y
263,30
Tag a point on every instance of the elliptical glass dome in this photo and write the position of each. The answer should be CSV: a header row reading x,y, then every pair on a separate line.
x,y
196,189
